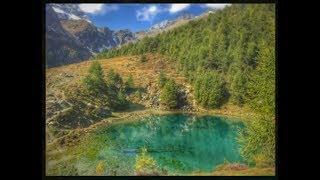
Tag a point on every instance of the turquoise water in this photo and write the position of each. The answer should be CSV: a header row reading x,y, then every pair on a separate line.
x,y
179,143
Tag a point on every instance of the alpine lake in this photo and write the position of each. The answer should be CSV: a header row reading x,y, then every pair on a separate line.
x,y
179,143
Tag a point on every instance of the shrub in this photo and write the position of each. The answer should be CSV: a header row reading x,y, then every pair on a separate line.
x,y
100,168
143,58
169,94
162,79
145,164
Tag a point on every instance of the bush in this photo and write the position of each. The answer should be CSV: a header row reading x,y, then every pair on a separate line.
x,y
162,79
169,94
143,58
100,168
145,164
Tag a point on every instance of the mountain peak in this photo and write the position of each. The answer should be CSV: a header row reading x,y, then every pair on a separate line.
x,y
69,12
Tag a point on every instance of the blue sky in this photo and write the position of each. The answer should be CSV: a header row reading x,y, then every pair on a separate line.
x,y
137,17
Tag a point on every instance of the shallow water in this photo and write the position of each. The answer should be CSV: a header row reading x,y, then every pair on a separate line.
x,y
179,143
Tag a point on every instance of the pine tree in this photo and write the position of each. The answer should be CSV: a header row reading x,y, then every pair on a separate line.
x,y
114,80
169,95
210,89
94,81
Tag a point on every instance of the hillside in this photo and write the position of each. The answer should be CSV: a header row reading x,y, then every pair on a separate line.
x,y
69,78
222,62
235,45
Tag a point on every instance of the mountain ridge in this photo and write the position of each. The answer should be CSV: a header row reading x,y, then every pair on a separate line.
x,y
71,37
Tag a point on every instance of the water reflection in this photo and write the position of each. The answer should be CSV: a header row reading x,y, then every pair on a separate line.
x,y
179,143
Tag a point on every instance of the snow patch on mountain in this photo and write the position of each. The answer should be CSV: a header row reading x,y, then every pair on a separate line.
x,y
57,10
164,24
70,12
161,25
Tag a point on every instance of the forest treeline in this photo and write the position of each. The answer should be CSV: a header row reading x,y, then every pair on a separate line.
x,y
228,56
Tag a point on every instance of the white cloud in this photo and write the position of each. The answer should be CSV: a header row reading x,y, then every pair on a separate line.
x,y
97,8
91,8
178,7
147,13
216,6
152,9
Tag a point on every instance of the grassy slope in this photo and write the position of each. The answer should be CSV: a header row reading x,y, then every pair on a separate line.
x,y
143,73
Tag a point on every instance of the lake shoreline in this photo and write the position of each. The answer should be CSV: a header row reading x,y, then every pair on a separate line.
x,y
231,112
170,127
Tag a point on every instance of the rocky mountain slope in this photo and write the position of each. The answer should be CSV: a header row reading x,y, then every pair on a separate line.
x,y
71,37
61,46
90,36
